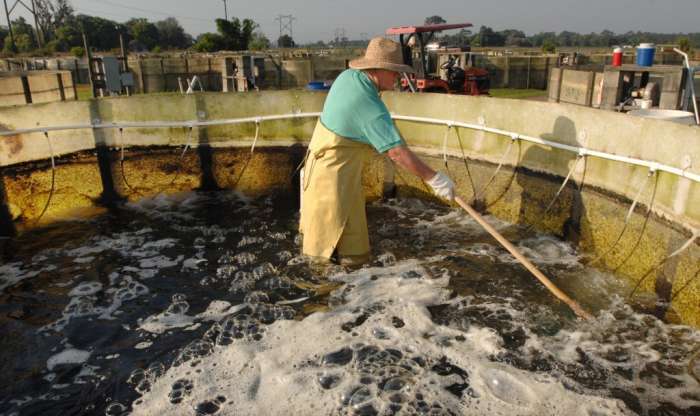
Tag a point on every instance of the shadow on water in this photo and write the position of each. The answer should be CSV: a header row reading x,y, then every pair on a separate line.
x,y
207,180
7,226
106,161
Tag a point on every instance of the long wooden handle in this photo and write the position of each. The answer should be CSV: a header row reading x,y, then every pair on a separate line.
x,y
525,262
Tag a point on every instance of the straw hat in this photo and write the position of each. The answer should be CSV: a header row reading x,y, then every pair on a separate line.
x,y
382,54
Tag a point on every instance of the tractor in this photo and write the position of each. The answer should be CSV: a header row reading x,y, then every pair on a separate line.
x,y
459,76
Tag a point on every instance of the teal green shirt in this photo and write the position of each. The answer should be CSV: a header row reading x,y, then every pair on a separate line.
x,y
354,110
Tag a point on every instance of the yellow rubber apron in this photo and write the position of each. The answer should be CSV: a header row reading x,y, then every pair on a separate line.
x,y
333,203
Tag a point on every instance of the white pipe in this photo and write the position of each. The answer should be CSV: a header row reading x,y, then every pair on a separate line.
x,y
653,166
159,124
574,149
691,83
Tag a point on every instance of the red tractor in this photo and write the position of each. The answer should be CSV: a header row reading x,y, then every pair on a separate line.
x,y
460,77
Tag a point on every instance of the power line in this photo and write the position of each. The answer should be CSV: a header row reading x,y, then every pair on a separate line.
x,y
109,3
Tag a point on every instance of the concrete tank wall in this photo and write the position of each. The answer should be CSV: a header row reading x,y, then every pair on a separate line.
x,y
17,88
590,214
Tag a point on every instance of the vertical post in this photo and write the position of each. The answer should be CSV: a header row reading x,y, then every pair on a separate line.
x,y
506,73
13,46
74,82
89,61
59,81
27,90
125,61
76,67
529,64
142,79
162,74
225,10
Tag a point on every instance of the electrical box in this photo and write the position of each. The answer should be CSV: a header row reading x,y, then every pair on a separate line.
x,y
112,72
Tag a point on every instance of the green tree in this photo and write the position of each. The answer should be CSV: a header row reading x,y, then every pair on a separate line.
x,y
434,20
548,46
259,42
52,14
103,34
172,35
513,37
3,34
230,32
488,37
209,42
285,41
684,44
236,33
143,34
25,41
69,35
77,51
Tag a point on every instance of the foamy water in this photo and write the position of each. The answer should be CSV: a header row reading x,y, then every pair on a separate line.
x,y
199,304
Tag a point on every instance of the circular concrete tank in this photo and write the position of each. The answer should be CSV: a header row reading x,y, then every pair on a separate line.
x,y
514,156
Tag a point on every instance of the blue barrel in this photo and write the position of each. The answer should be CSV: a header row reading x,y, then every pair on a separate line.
x,y
645,54
318,85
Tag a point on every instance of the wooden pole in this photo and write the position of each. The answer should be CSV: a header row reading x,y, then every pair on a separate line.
x,y
91,74
522,259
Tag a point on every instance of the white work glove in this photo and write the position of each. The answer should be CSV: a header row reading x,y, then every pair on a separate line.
x,y
442,186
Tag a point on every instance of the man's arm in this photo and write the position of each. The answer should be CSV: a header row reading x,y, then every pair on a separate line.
x,y
404,157
441,185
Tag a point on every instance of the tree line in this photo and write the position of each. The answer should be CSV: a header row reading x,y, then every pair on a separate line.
x,y
548,41
61,29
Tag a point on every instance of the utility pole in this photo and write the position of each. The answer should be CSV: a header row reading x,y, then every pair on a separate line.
x,y
39,35
13,48
32,10
225,10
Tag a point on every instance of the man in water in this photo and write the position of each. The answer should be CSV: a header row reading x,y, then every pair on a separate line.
x,y
355,123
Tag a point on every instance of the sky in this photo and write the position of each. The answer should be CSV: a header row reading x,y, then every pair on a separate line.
x,y
320,19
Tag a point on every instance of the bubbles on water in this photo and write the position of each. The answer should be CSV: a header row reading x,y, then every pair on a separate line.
x,y
193,353
142,379
210,407
180,390
116,409
250,240
391,340
507,388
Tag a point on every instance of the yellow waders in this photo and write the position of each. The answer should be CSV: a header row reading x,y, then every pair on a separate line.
x,y
333,204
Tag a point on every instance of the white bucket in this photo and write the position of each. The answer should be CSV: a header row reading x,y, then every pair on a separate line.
x,y
676,116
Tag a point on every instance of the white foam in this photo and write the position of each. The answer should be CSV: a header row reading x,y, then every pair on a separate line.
x,y
160,262
67,356
175,316
143,345
283,369
12,273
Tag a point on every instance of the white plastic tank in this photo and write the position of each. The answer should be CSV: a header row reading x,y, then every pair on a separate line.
x,y
676,116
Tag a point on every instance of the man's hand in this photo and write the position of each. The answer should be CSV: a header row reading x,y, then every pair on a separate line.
x,y
442,186
440,183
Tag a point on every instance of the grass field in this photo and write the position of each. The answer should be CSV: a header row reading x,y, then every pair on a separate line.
x,y
517,93
84,93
